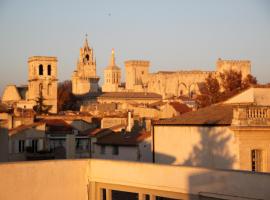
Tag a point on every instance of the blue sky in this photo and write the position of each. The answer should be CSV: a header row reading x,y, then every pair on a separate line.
x,y
173,35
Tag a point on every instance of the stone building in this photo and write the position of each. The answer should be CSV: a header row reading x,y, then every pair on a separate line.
x,y
229,135
175,83
112,76
137,72
84,78
42,82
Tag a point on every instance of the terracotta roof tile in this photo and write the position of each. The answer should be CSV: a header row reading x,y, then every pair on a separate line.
x,y
220,114
123,139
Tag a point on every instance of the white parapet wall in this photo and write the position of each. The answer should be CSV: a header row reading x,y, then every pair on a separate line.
x,y
82,179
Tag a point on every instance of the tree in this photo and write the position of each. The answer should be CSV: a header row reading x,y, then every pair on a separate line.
x,y
40,107
65,98
209,91
214,90
231,80
249,81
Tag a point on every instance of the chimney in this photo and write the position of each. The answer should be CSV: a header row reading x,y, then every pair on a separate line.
x,y
130,122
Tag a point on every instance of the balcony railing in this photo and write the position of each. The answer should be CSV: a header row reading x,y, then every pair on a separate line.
x,y
251,116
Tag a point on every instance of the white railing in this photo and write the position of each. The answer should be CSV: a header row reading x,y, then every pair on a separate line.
x,y
257,113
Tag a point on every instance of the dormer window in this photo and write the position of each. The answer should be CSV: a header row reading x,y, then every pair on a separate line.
x,y
40,70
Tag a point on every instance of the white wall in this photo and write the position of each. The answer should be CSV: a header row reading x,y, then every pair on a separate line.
x,y
214,147
124,153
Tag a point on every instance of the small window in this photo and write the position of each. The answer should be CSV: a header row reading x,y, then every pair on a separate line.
x,y
142,72
115,150
102,149
256,160
87,57
21,146
40,70
49,70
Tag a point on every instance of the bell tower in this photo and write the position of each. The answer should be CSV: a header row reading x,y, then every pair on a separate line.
x,y
42,73
84,78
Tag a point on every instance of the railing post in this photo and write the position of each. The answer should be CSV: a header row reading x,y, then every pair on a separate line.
x,y
141,196
99,195
92,190
152,197
108,194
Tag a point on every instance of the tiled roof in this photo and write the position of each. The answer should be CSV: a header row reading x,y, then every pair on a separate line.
x,y
24,127
58,125
130,95
219,114
123,139
180,107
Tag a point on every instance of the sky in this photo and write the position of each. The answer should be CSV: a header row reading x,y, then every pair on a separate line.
x,y
172,34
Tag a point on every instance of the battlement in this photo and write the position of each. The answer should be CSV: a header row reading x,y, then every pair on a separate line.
x,y
220,61
186,72
42,58
143,63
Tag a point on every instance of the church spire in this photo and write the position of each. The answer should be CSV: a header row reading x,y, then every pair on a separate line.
x,y
86,42
112,61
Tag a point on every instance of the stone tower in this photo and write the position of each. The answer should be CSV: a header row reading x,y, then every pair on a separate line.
x,y
136,74
42,73
112,76
243,66
84,79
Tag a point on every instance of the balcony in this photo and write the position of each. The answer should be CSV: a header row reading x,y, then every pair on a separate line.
x,y
251,116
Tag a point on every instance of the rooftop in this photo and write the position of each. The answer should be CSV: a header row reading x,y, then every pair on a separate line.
x,y
123,139
219,114
131,95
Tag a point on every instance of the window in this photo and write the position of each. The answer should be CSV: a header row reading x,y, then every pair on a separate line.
x,y
40,70
87,57
21,146
49,69
115,150
34,145
256,160
102,149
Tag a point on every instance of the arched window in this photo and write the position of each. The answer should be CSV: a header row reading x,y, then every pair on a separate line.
x,y
87,57
40,69
49,69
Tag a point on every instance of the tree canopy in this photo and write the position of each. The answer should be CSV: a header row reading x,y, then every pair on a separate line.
x,y
219,88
